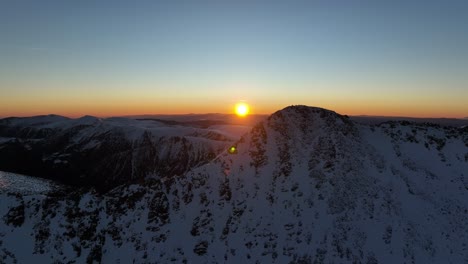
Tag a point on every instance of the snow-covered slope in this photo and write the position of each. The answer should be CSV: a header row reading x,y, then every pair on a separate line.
x,y
106,152
306,186
22,184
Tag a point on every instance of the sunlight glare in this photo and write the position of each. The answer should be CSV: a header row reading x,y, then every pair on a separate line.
x,y
242,109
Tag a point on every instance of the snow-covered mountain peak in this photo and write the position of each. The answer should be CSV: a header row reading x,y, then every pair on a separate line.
x,y
306,123
87,120
298,112
296,138
38,121
310,117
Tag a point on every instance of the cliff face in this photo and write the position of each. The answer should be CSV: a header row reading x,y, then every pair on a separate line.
x,y
305,186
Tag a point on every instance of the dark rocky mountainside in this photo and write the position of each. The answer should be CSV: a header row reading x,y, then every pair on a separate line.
x,y
104,153
305,186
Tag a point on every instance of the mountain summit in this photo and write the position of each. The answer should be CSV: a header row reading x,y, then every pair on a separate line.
x,y
306,185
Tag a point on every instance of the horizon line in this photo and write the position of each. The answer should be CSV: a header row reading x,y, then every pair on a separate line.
x,y
214,113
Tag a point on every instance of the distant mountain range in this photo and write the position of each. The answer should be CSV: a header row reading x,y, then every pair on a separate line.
x,y
305,185
227,118
105,153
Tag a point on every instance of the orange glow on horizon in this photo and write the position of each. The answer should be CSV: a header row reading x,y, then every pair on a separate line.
x,y
140,106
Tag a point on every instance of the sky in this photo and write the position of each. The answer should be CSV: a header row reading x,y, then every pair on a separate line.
x,y
111,58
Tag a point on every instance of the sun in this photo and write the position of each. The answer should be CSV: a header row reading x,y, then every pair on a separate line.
x,y
242,109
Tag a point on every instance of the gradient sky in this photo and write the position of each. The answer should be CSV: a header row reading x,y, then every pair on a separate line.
x,y
104,58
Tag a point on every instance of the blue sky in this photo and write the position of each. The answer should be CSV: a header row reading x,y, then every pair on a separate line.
x,y
368,57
